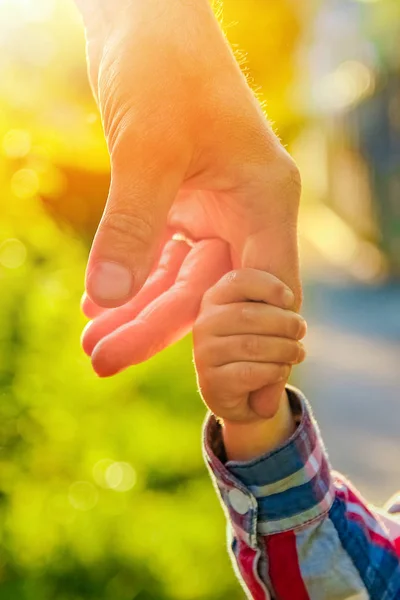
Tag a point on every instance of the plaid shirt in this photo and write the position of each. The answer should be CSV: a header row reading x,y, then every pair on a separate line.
x,y
298,530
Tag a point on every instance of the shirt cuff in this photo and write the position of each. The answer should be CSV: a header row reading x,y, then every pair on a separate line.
x,y
279,491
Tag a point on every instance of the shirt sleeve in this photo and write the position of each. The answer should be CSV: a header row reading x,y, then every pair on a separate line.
x,y
298,530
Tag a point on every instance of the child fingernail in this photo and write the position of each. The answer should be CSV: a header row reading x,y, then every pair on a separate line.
x,y
302,353
302,329
288,298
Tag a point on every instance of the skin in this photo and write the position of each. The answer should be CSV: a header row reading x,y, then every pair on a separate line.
x,y
191,152
245,340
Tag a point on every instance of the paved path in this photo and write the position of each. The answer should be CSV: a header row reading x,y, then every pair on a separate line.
x,y
352,377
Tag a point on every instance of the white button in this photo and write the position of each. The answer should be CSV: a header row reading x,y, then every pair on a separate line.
x,y
239,501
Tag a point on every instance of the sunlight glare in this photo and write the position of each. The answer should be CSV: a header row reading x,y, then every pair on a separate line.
x,y
29,10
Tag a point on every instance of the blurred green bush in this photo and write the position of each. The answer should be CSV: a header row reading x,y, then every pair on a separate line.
x,y
103,489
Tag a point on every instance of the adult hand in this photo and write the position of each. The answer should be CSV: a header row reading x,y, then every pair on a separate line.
x,y
191,151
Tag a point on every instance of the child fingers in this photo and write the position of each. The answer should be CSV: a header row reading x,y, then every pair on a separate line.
x,y
251,318
251,348
250,284
236,380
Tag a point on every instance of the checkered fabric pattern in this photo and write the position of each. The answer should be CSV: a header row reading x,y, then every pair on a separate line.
x,y
297,529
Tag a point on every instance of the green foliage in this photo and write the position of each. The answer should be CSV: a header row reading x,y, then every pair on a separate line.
x,y
60,424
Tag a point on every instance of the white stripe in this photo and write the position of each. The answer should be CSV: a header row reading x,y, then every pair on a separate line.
x,y
309,470
326,568
391,524
313,513
373,524
314,464
257,576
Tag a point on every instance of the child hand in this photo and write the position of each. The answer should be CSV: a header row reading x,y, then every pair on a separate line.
x,y
245,338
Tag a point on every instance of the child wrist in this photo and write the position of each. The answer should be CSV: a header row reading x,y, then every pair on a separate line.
x,y
246,441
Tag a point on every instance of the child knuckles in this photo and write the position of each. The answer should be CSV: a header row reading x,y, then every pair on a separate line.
x,y
234,280
245,374
277,289
246,314
232,277
250,346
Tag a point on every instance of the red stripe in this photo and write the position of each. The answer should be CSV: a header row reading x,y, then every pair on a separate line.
x,y
375,538
284,570
380,539
248,563
349,494
397,546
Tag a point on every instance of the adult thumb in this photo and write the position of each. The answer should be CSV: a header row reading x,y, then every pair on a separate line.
x,y
130,233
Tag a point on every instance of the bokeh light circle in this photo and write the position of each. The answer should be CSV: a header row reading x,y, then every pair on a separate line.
x,y
121,477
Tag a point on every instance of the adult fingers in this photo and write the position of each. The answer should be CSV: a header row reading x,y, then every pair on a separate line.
x,y
161,280
90,308
131,230
169,317
272,245
272,242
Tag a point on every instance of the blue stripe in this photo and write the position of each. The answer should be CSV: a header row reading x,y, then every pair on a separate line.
x,y
295,500
379,568
280,466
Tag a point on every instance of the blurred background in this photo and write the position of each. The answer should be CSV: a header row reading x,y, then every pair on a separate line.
x,y
102,484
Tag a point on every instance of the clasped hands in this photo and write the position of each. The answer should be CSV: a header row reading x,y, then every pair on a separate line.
x,y
191,154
